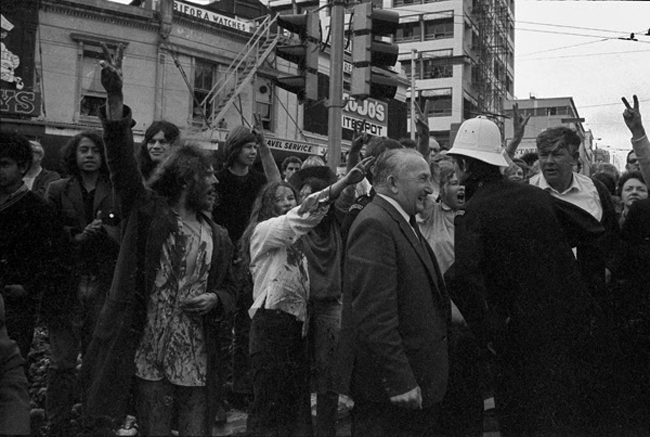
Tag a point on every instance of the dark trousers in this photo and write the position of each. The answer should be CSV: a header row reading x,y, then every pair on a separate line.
x,y
20,328
14,402
155,403
375,419
462,407
280,374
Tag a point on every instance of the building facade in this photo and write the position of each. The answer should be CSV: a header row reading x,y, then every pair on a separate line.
x,y
460,54
551,112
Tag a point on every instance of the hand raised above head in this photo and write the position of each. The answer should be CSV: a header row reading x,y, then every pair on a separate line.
x,y
112,69
519,122
632,116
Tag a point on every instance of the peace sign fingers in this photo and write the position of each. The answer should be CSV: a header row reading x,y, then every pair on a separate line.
x,y
632,116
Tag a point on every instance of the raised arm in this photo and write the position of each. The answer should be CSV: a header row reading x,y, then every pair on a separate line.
x,y
519,123
640,142
271,170
118,137
422,129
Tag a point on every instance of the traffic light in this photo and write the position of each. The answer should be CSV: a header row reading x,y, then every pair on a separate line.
x,y
371,59
305,55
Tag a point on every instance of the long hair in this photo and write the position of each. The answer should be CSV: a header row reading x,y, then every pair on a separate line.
x,y
180,170
171,132
69,153
263,209
235,141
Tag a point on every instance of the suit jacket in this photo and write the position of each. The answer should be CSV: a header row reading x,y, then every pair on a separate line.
x,y
43,180
396,311
65,195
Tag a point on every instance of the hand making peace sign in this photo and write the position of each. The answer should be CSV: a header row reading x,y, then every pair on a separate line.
x,y
632,117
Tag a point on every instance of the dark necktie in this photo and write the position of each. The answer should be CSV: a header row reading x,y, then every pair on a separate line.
x,y
416,228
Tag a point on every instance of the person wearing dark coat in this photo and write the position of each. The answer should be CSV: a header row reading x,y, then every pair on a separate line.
x,y
166,232
520,289
85,205
38,178
396,312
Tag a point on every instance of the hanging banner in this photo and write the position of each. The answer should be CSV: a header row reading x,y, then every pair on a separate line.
x,y
18,20
208,16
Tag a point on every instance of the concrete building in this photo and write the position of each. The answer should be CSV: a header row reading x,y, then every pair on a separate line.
x,y
550,112
461,55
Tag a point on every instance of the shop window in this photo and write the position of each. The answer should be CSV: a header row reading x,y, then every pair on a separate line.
x,y
205,75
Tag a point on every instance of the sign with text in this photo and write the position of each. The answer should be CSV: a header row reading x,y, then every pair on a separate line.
x,y
211,17
294,146
369,115
20,102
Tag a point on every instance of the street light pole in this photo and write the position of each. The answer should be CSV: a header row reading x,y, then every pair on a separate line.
x,y
334,133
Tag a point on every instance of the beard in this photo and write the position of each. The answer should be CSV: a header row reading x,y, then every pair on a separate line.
x,y
198,198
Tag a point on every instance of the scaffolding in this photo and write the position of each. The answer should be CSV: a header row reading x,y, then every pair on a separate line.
x,y
492,49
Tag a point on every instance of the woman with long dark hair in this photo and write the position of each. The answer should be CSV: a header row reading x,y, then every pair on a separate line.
x,y
272,248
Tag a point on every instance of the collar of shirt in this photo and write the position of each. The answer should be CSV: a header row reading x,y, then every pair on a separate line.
x,y
17,194
582,192
542,183
399,209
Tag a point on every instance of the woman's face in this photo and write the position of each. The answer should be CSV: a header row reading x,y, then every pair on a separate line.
x,y
158,147
516,174
633,190
453,194
284,200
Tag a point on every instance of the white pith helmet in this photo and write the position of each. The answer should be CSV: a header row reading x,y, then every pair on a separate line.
x,y
480,138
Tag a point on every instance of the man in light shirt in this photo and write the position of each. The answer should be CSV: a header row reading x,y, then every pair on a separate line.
x,y
558,150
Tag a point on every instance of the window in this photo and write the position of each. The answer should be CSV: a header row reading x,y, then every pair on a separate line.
x,y
93,95
439,29
90,95
264,100
406,2
408,32
205,75
433,70
439,101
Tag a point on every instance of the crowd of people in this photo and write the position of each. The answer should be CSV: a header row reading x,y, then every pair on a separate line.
x,y
416,281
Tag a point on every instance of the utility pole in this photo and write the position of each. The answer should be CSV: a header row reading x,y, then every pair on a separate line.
x,y
334,133
413,67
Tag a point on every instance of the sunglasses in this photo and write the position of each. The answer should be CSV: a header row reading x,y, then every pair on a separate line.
x,y
632,161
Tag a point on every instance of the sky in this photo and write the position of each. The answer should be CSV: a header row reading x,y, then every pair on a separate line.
x,y
571,49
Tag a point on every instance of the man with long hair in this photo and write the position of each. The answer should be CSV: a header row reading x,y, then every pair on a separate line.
x,y
172,285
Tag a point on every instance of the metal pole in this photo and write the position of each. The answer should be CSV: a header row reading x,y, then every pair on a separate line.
x,y
413,54
334,134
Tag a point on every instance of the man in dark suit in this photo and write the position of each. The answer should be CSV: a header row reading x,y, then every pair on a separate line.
x,y
520,289
395,308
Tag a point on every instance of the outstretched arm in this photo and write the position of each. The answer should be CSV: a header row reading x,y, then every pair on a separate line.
x,y
640,142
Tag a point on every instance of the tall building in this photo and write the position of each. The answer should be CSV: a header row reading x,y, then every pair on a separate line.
x,y
461,55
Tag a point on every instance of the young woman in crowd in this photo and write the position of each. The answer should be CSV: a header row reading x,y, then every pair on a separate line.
x,y
272,247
